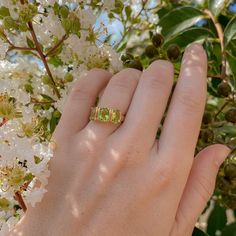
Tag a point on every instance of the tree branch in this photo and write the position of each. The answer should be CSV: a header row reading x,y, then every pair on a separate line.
x,y
51,50
43,58
20,200
221,38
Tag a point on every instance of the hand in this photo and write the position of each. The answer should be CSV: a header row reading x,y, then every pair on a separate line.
x,y
118,180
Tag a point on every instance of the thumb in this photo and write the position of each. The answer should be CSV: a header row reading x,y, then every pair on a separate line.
x,y
200,186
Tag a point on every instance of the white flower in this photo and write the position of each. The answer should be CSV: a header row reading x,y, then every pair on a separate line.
x,y
109,4
3,49
34,196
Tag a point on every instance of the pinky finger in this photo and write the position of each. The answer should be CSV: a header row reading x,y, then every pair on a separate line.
x,y
199,187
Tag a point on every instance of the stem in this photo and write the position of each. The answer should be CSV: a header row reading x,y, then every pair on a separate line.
x,y
43,58
220,33
128,29
51,50
4,121
21,48
215,76
20,200
221,109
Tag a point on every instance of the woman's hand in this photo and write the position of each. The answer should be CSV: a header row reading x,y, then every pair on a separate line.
x,y
119,180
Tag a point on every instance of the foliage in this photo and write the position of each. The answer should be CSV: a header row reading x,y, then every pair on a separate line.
x,y
46,44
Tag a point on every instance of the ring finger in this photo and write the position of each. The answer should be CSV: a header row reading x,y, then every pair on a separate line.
x,y
117,95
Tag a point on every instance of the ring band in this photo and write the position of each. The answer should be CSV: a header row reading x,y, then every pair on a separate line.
x,y
105,114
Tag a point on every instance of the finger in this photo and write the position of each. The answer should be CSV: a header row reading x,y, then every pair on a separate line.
x,y
149,103
117,95
82,97
200,186
182,124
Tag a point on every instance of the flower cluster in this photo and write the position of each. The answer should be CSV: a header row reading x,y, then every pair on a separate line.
x,y
45,46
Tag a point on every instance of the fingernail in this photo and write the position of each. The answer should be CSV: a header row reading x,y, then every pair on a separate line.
x,y
195,48
224,153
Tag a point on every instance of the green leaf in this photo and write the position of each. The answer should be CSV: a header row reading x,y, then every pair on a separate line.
x,y
198,232
56,61
179,19
30,43
128,11
4,12
188,36
217,220
216,6
53,124
47,98
230,31
232,64
229,230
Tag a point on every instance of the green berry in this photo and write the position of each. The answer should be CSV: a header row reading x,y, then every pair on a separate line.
x,y
230,171
207,118
224,89
136,64
157,40
151,51
173,52
230,115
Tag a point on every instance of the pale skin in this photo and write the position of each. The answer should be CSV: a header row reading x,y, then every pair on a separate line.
x,y
118,180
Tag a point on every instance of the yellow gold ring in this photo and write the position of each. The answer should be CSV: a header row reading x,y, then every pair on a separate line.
x,y
105,114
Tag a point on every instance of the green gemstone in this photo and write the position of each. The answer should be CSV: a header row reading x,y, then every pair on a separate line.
x,y
103,114
115,116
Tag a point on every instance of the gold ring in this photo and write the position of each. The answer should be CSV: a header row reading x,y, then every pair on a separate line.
x,y
105,114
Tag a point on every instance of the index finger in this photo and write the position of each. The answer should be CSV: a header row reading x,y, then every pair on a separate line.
x,y
182,124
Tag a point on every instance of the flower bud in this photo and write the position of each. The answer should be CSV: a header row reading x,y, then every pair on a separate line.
x,y
4,204
9,23
4,12
173,52
68,77
56,114
157,40
230,115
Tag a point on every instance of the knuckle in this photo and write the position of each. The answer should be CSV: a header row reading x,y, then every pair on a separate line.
x,y
204,187
99,72
190,100
164,174
81,90
86,148
126,79
157,82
